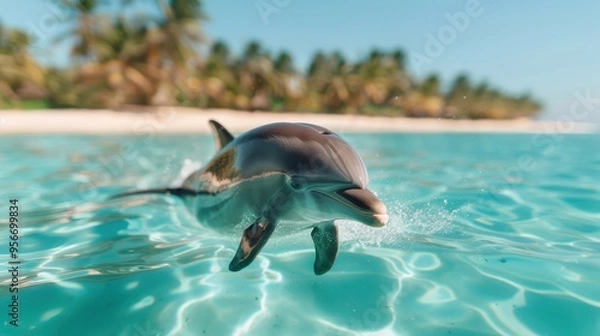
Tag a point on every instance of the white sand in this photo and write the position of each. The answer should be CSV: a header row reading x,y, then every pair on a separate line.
x,y
187,120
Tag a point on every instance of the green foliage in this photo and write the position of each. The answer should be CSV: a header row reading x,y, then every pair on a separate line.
x,y
19,72
431,86
149,59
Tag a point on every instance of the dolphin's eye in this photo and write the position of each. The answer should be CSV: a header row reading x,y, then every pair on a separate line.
x,y
297,183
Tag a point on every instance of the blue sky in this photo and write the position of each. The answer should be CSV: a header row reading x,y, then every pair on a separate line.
x,y
548,48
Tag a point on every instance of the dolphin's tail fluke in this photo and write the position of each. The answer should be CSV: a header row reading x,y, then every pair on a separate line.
x,y
179,192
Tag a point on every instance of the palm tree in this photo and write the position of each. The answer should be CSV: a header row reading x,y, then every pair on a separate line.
x,y
179,33
117,77
432,102
10,71
373,77
127,60
425,100
483,102
431,86
257,80
457,99
87,30
400,82
284,63
18,68
337,89
173,48
290,85
62,92
525,106
311,100
157,60
218,80
330,84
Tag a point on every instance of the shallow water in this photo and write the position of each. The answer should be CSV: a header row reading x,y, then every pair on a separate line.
x,y
489,234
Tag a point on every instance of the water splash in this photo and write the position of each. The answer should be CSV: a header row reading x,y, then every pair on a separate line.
x,y
407,224
189,166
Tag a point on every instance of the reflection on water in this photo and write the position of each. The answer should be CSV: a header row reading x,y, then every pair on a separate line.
x,y
474,245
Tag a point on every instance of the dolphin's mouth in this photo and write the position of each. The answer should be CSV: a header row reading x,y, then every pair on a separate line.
x,y
364,203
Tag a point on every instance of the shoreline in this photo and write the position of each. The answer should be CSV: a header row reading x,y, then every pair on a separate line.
x,y
181,120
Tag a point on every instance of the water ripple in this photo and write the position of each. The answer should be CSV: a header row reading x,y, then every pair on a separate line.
x,y
474,246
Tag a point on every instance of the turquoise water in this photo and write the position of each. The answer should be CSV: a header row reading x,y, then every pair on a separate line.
x,y
489,235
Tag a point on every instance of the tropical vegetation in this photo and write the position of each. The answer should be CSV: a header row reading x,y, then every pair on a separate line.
x,y
119,60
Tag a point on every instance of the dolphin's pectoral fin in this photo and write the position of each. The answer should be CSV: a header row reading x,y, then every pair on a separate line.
x,y
325,237
221,134
253,240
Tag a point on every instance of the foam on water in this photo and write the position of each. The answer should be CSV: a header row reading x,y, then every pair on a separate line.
x,y
474,245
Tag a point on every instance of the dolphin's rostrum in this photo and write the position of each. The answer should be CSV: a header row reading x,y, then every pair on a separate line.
x,y
281,173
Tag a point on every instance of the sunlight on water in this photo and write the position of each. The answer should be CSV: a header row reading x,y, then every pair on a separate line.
x,y
474,245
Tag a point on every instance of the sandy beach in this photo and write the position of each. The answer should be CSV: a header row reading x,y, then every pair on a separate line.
x,y
173,120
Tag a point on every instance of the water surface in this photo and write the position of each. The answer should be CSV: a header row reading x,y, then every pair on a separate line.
x,y
489,234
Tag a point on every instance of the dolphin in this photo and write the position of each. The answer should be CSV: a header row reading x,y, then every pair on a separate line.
x,y
279,174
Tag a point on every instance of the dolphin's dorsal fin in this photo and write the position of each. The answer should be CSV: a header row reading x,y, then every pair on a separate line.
x,y
221,134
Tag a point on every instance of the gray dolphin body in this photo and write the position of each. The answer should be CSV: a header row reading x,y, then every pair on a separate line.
x,y
281,173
